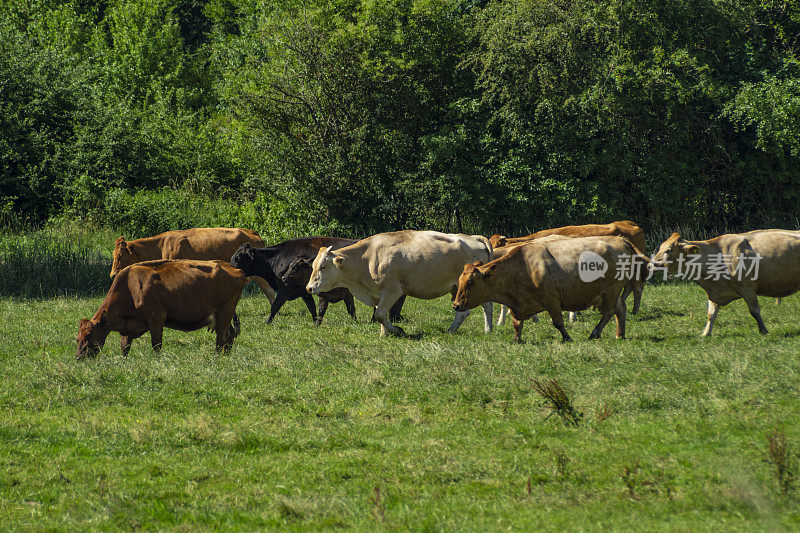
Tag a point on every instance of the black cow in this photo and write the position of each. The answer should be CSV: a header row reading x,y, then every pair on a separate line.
x,y
286,267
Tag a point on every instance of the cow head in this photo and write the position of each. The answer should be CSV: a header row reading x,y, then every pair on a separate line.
x,y
243,258
498,240
298,273
91,337
124,255
671,250
325,271
472,286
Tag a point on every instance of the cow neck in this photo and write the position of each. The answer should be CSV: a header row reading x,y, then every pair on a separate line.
x,y
706,248
504,290
266,268
147,249
363,292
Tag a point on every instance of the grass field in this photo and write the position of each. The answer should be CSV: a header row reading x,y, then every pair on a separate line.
x,y
335,427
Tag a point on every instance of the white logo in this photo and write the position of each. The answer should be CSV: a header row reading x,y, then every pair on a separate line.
x,y
591,266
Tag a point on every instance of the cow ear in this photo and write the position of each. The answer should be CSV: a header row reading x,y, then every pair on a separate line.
x,y
338,260
692,249
489,271
84,322
120,240
477,263
675,235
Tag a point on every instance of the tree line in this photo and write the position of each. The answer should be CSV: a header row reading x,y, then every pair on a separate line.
x,y
366,116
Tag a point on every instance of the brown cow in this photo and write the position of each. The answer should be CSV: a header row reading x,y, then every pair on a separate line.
x,y
737,265
196,243
178,294
623,228
550,276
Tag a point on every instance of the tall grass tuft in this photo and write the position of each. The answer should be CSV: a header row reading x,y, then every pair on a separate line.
x,y
56,261
558,399
783,458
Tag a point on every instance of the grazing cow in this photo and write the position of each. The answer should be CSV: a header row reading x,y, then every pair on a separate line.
x,y
380,269
198,243
279,265
624,228
547,276
178,294
737,265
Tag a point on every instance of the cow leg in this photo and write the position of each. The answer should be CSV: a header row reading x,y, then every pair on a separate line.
x,y
501,318
323,307
236,326
487,317
156,335
458,319
607,308
280,299
638,288
558,322
312,307
755,311
388,297
265,287
713,309
504,311
351,306
620,310
394,313
125,344
223,329
517,328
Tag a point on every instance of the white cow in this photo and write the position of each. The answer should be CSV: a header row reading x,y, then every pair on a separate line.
x,y
737,265
380,269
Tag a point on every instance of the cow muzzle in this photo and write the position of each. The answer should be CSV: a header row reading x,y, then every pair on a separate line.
x,y
459,307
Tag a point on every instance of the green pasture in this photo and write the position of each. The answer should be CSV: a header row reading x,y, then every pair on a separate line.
x,y
334,427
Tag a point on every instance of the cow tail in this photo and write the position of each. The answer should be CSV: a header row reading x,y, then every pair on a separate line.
x,y
637,252
646,261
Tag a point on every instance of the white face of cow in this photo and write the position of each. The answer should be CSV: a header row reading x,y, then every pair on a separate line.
x,y
325,271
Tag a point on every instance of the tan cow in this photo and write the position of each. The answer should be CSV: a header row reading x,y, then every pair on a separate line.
x,y
553,276
380,269
737,265
622,228
178,294
196,243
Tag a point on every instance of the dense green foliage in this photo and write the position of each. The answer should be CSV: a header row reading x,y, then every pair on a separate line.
x,y
299,425
358,117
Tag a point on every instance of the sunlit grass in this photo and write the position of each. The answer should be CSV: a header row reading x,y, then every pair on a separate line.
x,y
301,424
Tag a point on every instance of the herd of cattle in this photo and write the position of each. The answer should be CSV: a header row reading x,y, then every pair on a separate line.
x,y
189,279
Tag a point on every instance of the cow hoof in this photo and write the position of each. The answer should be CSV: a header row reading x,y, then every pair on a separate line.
x,y
398,332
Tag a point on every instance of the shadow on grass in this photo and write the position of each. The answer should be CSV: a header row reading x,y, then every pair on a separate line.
x,y
655,314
